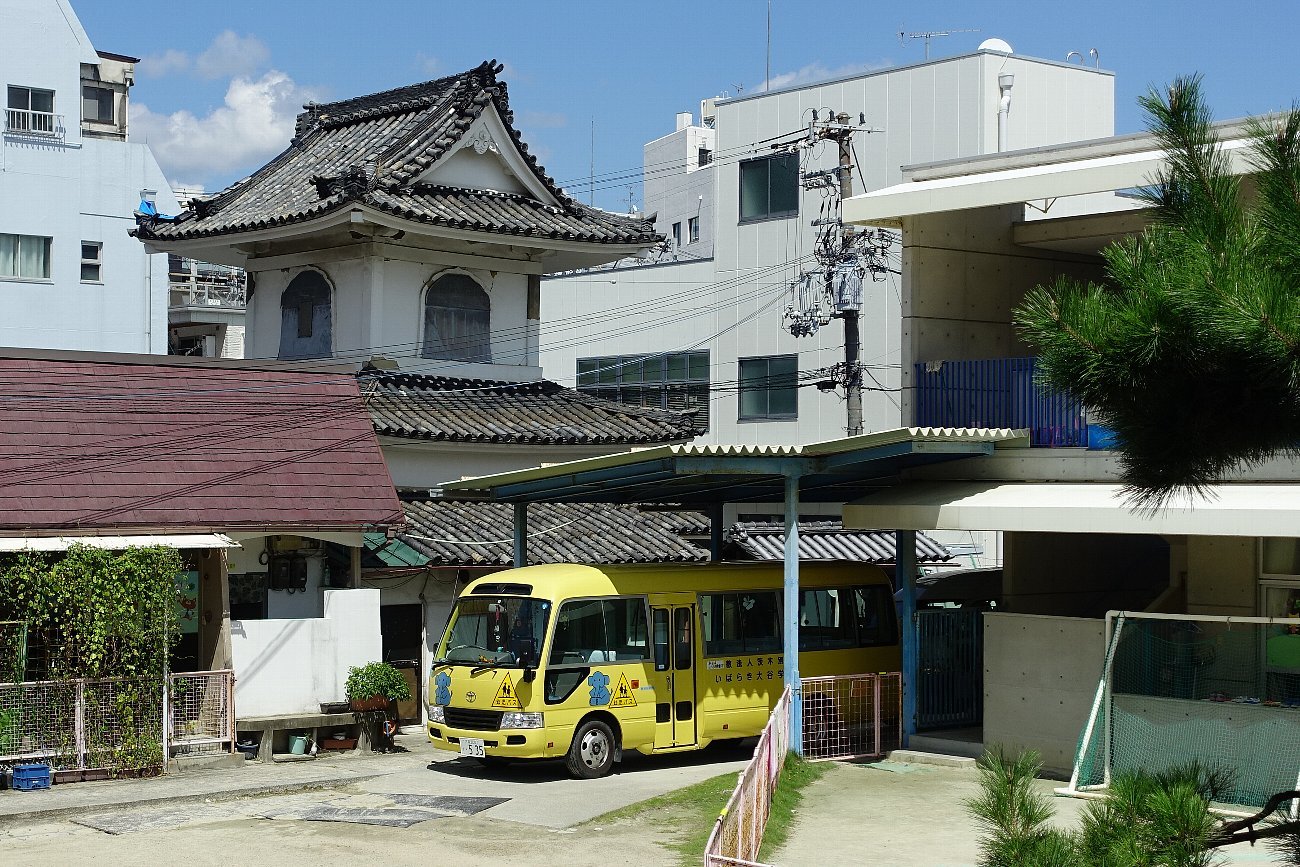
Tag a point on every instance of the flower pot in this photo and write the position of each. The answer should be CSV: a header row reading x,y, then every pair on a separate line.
x,y
375,702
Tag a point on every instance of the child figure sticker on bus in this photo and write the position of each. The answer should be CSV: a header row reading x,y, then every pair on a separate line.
x,y
505,697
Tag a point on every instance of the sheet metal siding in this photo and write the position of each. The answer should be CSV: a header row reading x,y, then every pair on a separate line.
x,y
998,392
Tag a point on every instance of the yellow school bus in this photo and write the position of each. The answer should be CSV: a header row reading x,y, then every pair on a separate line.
x,y
583,662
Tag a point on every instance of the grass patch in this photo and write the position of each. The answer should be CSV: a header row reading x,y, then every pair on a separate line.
x,y
684,819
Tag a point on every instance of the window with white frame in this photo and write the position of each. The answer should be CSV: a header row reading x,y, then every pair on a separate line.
x,y
25,257
30,109
769,387
677,234
670,380
92,262
693,229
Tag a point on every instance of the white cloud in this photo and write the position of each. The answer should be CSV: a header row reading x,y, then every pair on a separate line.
x,y
231,54
427,64
815,72
167,63
542,120
254,123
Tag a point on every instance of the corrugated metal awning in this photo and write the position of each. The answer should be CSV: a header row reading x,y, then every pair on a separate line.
x,y
10,544
1232,509
830,541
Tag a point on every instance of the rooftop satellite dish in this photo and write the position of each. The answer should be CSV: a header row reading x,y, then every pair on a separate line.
x,y
1001,46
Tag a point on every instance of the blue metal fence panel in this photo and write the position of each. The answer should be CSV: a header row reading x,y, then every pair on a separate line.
x,y
997,392
950,682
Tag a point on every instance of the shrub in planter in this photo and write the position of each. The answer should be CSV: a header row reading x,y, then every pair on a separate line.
x,y
374,685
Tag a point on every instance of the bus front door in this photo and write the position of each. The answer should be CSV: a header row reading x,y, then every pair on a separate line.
x,y
674,649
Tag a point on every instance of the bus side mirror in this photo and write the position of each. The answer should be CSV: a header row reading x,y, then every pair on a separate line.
x,y
530,674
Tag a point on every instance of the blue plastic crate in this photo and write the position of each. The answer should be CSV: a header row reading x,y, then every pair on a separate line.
x,y
28,778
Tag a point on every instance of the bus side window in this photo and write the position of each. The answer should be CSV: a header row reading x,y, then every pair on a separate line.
x,y
661,639
684,655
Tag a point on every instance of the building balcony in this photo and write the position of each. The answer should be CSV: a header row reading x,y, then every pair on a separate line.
x,y
1001,392
42,124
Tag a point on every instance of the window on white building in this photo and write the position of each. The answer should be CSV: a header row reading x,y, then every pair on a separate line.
x,y
92,262
705,156
673,380
26,257
769,387
31,110
677,234
457,320
769,187
693,229
306,317
97,103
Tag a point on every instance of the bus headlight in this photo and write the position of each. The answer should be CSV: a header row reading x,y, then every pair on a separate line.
x,y
516,720
436,715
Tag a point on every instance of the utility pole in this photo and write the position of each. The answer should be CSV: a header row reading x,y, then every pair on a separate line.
x,y
851,315
844,257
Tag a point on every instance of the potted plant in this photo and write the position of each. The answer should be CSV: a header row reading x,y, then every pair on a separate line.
x,y
373,685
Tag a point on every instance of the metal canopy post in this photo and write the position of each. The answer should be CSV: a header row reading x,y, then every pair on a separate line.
x,y
521,535
905,578
715,532
791,631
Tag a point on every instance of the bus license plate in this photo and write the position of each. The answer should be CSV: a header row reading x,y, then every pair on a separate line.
x,y
472,747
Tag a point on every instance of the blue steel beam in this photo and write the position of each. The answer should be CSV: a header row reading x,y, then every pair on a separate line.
x,y
791,631
521,535
905,577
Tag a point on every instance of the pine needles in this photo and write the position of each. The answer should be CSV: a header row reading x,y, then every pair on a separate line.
x,y
1190,350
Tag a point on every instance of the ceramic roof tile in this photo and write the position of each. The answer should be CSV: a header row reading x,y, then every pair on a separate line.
x,y
468,410
828,540
372,149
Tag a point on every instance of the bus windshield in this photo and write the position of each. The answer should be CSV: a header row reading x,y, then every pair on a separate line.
x,y
496,631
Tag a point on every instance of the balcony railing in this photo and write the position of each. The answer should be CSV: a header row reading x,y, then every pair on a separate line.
x,y
997,392
23,121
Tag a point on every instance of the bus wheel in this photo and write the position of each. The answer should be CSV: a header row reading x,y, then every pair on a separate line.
x,y
591,754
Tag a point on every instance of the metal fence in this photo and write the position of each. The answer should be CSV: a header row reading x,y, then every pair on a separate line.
x,y
997,392
107,725
738,833
950,676
201,713
848,716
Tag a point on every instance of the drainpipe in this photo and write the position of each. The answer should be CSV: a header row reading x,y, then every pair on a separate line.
x,y
1005,82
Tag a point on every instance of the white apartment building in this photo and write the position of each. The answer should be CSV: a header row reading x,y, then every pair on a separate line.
x,y
70,275
702,324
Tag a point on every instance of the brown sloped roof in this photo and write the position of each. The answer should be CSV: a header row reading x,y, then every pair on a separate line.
x,y
371,149
97,445
468,534
543,412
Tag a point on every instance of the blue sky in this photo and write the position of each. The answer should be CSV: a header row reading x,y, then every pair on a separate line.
x,y
221,81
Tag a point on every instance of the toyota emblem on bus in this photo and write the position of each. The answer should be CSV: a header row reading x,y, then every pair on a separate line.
x,y
470,696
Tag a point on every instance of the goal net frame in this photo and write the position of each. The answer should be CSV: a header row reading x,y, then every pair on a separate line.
x,y
1102,713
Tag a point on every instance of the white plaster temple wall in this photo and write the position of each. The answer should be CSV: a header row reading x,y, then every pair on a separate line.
x,y
291,666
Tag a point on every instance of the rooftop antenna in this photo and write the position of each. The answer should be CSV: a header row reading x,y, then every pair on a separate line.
x,y
927,35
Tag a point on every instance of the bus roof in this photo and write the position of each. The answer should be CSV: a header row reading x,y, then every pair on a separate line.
x,y
567,580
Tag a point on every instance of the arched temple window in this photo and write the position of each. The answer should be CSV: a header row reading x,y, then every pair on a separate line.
x,y
457,320
306,320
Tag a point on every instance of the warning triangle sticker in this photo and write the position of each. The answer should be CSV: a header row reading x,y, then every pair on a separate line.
x,y
505,696
623,696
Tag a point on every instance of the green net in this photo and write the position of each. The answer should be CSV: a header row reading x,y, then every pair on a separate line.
x,y
1223,694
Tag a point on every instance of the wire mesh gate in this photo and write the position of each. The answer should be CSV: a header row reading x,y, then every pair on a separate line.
x,y
81,724
950,669
849,716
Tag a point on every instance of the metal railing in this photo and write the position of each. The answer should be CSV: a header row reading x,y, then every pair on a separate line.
x,y
950,675
84,724
849,716
997,393
201,713
28,122
738,833
204,290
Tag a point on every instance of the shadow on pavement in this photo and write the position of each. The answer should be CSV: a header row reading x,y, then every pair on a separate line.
x,y
550,770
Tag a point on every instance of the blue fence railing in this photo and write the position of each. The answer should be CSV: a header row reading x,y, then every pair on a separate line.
x,y
997,392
